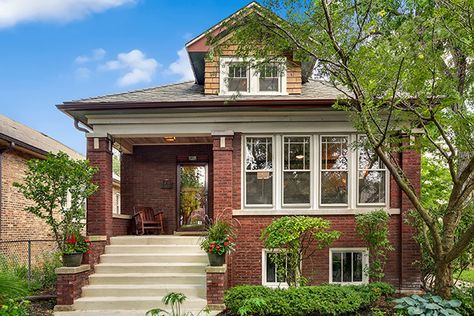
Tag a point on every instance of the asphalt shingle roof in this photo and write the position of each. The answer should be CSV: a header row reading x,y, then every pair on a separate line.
x,y
24,134
189,92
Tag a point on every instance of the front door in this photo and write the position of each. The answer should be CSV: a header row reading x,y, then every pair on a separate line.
x,y
192,196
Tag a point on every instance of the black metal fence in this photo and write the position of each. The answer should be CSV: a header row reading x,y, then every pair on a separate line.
x,y
24,256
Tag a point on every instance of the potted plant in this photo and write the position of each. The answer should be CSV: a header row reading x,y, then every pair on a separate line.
x,y
219,242
74,249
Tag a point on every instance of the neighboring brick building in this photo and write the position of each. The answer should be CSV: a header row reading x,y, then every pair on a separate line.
x,y
18,144
278,148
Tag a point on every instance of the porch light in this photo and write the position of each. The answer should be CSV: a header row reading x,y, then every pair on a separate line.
x,y
169,139
300,157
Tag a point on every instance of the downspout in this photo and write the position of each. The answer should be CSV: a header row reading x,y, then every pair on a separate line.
x,y
2,151
79,128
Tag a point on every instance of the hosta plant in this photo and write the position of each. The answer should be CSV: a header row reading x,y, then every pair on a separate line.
x,y
429,305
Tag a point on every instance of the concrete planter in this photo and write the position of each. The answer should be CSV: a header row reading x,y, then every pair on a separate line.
x,y
72,259
216,260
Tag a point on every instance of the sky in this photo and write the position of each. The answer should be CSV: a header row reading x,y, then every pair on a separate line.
x,y
53,51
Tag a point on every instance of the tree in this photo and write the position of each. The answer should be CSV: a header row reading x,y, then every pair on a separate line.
x,y
405,68
293,239
58,188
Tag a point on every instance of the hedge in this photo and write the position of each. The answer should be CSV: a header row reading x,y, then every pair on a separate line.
x,y
308,300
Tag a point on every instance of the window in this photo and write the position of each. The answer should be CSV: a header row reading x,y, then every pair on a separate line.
x,y
117,203
371,177
273,275
247,76
348,265
296,170
238,77
334,169
258,171
269,78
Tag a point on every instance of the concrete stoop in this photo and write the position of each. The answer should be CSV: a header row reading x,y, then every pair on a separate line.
x,y
137,271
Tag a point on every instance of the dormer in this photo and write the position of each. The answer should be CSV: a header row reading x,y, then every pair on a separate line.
x,y
222,72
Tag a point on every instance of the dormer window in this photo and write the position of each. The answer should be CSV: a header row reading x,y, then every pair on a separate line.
x,y
239,76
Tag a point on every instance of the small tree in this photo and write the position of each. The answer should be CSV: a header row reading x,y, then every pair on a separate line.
x,y
58,187
372,227
295,238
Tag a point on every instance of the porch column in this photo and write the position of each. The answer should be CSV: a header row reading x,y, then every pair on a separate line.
x,y
99,205
222,174
410,251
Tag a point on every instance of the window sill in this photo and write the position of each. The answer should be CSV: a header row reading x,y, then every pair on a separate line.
x,y
122,216
267,212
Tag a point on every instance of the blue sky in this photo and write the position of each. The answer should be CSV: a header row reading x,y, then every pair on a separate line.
x,y
54,51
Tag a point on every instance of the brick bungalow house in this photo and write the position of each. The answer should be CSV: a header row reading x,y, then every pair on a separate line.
x,y
277,149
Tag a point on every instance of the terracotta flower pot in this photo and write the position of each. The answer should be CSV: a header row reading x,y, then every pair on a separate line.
x,y
72,259
215,259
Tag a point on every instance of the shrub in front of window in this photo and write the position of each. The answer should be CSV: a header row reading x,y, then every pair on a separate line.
x,y
308,300
295,238
372,227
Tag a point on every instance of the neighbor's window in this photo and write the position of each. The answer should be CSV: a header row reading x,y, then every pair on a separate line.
x,y
269,78
258,171
371,176
238,77
334,169
348,266
296,170
273,274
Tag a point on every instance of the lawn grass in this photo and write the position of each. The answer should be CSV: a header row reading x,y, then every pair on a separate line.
x,y
466,275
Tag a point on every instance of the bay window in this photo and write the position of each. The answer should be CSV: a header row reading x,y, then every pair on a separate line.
x,y
296,170
258,171
334,169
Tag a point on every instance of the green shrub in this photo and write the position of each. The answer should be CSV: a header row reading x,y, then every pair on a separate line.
x,y
466,296
15,308
11,287
318,300
429,305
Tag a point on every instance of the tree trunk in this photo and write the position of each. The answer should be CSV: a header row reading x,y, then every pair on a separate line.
x,y
443,279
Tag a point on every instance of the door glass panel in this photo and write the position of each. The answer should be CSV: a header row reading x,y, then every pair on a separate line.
x,y
192,196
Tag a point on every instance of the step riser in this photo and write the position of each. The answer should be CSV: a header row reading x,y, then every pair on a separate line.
x,y
154,259
102,279
139,249
149,269
133,305
143,292
137,240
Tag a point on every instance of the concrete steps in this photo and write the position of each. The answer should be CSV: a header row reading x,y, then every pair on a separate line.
x,y
137,271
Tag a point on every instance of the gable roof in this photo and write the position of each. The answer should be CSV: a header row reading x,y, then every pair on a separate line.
x,y
314,90
32,140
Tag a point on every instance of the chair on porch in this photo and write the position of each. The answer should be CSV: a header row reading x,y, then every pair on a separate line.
x,y
146,220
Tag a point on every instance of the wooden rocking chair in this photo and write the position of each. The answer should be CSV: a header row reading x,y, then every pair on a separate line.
x,y
146,220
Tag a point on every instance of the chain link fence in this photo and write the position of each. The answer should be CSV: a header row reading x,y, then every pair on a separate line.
x,y
28,258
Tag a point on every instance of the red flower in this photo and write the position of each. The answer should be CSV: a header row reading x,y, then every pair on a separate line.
x,y
71,239
210,250
226,243
212,245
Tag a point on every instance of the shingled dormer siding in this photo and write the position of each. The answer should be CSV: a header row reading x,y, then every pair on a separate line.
x,y
212,72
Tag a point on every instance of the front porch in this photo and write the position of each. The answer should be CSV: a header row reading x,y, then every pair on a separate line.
x,y
174,175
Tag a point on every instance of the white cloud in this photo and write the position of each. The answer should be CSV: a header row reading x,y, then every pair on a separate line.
x,y
83,73
97,54
182,66
136,67
13,12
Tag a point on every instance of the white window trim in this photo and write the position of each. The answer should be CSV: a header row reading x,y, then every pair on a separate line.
x,y
277,208
244,172
320,170
264,271
387,181
310,170
365,264
253,84
117,204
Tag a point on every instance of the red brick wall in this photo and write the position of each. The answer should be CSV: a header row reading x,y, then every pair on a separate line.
x,y
121,226
99,205
69,287
143,172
